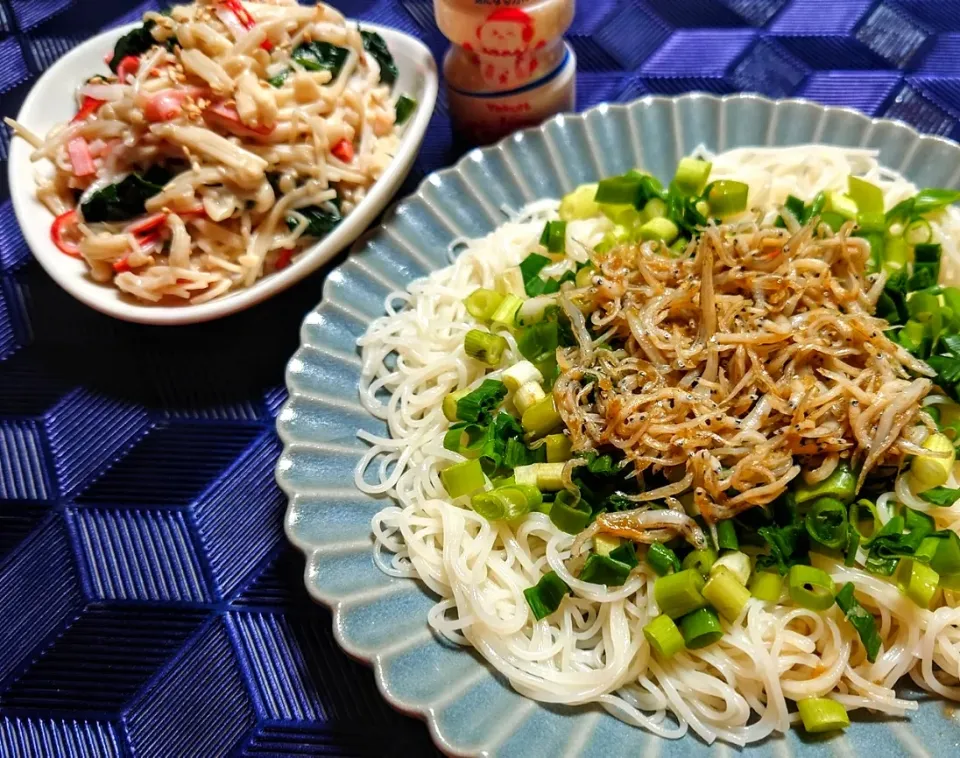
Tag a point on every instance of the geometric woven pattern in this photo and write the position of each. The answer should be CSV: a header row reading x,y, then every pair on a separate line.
x,y
149,603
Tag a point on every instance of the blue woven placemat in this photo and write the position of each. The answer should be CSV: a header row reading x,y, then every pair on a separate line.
x,y
149,604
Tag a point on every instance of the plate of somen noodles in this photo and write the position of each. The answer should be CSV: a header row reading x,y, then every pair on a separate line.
x,y
635,434
200,160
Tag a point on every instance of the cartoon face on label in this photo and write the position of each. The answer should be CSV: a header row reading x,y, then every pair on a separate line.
x,y
504,51
506,31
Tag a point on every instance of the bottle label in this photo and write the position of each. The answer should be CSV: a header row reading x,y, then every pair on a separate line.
x,y
488,116
473,70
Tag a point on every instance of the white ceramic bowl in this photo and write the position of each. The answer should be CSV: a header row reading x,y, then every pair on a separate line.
x,y
51,102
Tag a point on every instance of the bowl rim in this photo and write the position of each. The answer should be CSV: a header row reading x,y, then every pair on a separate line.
x,y
311,552
105,298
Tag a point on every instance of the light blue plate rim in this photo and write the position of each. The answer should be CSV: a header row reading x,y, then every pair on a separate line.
x,y
381,620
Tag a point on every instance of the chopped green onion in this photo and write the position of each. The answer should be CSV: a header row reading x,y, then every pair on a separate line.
x,y
930,471
519,374
861,620
871,223
547,476
626,553
450,403
841,484
527,396
922,305
766,586
942,496
917,581
951,297
895,254
534,310
736,563
484,347
579,203
795,206
541,419
918,232
554,236
404,107
604,544
506,312
559,448
662,559
927,252
914,337
882,558
701,560
815,208
842,205
602,569
867,196
852,546
932,199
625,218
826,522
483,303
584,276
820,714
727,535
700,628
664,636
927,550
618,189
526,475
462,478
506,503
569,517
546,595
692,175
531,266
660,228
833,220
877,246
926,266
946,561
727,197
678,594
655,208
810,587
474,407
540,340
725,593
465,439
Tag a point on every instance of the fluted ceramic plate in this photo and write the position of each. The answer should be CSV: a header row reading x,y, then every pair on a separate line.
x,y
51,102
383,620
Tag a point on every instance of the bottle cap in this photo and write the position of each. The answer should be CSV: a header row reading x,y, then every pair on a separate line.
x,y
503,31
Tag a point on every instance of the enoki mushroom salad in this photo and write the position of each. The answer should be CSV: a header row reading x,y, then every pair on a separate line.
x,y
688,451
227,137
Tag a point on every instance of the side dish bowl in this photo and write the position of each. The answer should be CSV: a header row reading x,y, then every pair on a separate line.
x,y
51,102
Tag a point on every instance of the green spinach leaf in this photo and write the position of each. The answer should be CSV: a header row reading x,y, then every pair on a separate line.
x,y
374,44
